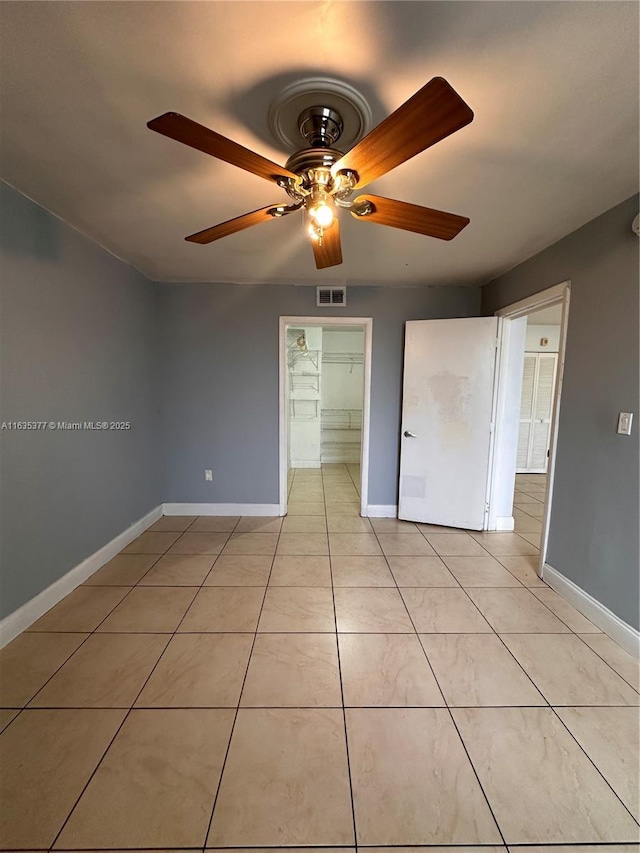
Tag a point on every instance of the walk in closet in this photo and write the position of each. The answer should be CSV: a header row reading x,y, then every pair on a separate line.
x,y
325,390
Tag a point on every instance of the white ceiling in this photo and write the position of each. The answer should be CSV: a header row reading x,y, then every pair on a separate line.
x,y
554,143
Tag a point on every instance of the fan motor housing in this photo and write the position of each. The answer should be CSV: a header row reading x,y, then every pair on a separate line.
x,y
320,126
311,159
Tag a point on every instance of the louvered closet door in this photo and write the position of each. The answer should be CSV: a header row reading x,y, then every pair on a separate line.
x,y
543,406
526,409
538,383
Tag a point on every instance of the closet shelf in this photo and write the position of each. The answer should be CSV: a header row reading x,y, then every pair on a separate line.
x,y
304,382
348,420
343,358
297,358
303,410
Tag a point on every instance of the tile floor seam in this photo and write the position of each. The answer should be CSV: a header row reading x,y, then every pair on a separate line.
x,y
170,637
591,761
506,568
64,663
497,634
355,485
444,699
160,556
344,713
475,772
126,717
447,704
541,691
228,535
557,708
448,709
535,686
493,630
516,632
237,709
581,638
91,776
564,622
524,539
95,629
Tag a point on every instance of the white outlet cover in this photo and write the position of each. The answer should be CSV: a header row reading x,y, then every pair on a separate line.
x,y
624,423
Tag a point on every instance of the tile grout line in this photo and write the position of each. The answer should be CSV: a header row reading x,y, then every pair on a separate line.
x,y
343,705
559,618
602,633
584,751
129,710
313,707
522,586
89,633
451,717
444,699
415,630
497,634
237,709
549,706
344,713
485,634
171,635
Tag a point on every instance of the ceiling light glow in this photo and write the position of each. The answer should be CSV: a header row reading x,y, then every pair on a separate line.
x,y
322,214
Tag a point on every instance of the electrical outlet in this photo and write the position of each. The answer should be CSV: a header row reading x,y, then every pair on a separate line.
x,y
208,475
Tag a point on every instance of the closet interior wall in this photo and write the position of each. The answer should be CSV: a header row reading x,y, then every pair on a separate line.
x,y
342,393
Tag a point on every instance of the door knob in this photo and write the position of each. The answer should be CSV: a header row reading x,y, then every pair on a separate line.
x,y
408,434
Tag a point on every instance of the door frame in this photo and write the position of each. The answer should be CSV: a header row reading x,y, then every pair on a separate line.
x,y
557,295
367,323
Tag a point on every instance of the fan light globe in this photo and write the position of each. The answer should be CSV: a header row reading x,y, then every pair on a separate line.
x,y
323,215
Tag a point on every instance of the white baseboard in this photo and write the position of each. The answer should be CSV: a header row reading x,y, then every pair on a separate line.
x,y
625,635
505,522
301,463
221,509
25,616
338,457
381,511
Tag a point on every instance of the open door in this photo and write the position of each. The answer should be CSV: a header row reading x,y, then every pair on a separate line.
x,y
447,407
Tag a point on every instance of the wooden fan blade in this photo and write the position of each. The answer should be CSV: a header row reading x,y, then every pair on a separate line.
x,y
224,229
197,136
329,252
432,114
411,217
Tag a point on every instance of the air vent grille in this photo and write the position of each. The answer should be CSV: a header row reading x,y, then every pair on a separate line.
x,y
331,296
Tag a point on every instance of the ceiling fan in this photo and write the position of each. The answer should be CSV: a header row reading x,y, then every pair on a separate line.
x,y
320,179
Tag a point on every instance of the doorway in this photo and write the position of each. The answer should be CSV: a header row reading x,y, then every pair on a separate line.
x,y
528,390
325,377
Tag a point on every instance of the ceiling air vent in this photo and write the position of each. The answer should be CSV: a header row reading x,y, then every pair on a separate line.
x,y
331,296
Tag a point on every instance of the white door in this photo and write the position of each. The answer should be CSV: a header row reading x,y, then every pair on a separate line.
x,y
447,406
536,405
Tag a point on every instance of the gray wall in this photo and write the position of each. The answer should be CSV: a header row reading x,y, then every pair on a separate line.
x,y
78,341
220,375
594,522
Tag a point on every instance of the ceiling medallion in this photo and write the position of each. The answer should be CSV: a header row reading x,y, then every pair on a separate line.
x,y
333,109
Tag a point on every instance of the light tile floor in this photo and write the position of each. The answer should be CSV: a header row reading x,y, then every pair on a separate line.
x,y
324,681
